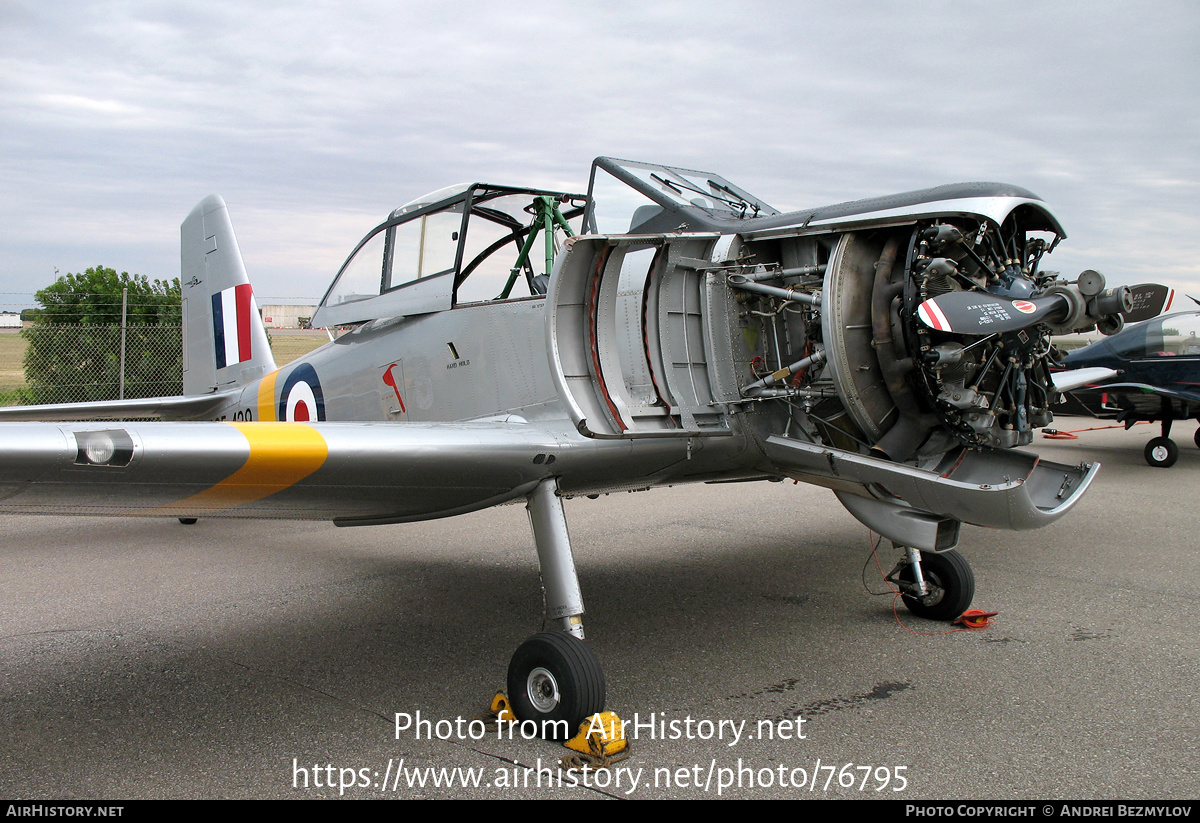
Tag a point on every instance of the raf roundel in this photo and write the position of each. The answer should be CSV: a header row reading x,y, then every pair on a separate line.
x,y
301,399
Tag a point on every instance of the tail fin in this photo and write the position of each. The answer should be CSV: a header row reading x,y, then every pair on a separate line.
x,y
224,342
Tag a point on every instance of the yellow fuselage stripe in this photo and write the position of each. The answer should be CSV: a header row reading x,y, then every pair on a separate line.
x,y
281,455
266,397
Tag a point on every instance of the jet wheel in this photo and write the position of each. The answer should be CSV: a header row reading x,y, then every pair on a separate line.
x,y
951,585
1161,452
1196,438
556,681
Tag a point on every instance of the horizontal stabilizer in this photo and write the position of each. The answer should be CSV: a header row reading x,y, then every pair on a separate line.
x,y
172,408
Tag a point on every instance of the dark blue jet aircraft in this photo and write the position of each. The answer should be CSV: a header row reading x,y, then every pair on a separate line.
x,y
1159,365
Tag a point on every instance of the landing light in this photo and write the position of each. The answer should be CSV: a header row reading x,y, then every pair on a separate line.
x,y
113,447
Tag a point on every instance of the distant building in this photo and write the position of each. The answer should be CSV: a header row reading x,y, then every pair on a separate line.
x,y
287,317
10,320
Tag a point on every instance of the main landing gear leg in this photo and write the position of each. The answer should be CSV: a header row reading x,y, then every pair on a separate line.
x,y
935,586
554,678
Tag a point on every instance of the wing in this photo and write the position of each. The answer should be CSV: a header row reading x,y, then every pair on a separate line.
x,y
351,473
1127,389
1066,381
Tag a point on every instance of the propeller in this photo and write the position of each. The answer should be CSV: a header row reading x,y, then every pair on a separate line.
x,y
1149,300
976,312
1065,308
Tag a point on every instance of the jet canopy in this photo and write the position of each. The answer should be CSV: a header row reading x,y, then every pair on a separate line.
x,y
462,244
1173,335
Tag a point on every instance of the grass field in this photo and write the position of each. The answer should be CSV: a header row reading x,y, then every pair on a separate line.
x,y
286,345
12,353
290,344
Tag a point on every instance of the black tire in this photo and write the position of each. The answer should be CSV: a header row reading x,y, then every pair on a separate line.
x,y
555,677
1161,452
188,521
951,585
1196,438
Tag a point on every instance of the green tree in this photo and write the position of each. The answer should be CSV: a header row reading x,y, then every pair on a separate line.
x,y
75,343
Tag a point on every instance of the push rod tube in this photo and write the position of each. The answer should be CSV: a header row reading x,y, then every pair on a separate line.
x,y
775,378
741,281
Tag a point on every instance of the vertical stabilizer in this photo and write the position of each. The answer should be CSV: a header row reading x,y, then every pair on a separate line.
x,y
224,342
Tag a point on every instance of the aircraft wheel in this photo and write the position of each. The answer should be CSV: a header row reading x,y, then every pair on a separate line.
x,y
1161,452
951,585
1196,438
188,521
555,677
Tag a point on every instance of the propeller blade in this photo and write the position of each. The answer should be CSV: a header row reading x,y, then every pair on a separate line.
x,y
1149,300
976,312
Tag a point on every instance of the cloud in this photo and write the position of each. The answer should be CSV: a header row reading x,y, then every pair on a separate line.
x,y
312,117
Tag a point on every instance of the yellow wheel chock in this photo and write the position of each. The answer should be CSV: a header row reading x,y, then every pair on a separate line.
x,y
599,742
501,709
601,735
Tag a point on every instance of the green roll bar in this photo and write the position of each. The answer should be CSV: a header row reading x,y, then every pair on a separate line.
x,y
545,217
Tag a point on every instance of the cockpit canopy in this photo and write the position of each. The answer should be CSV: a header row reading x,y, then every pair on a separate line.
x,y
462,244
629,197
472,243
1172,335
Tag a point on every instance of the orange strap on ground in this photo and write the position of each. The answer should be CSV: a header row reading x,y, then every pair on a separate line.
x,y
1055,434
975,619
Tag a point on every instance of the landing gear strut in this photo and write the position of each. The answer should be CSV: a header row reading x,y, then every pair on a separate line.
x,y
935,586
554,678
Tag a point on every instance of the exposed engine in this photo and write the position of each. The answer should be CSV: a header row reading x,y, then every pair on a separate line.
x,y
891,349
907,383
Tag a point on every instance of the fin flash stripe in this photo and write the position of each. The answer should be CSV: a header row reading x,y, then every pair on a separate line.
x,y
281,455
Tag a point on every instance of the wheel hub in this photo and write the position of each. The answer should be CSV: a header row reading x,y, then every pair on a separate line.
x,y
935,593
542,689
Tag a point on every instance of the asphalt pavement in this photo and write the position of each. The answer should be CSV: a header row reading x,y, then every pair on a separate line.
x,y
147,659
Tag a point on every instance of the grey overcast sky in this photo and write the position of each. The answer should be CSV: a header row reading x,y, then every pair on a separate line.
x,y
314,119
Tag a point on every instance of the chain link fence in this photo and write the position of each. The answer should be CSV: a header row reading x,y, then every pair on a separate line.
x,y
73,363
81,363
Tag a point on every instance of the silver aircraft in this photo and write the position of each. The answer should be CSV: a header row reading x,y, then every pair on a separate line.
x,y
504,344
